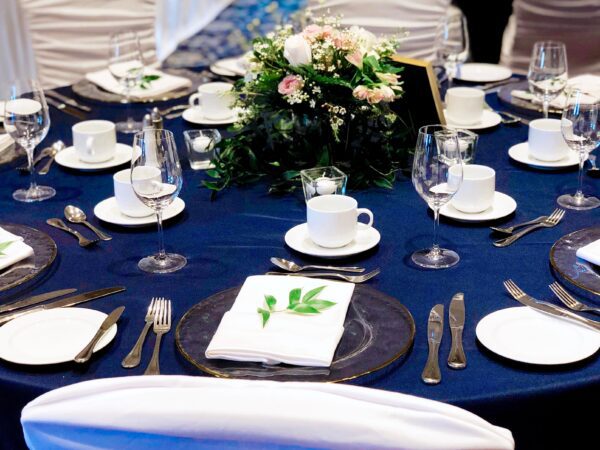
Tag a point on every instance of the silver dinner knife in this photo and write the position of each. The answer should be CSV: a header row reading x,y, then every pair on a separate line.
x,y
85,354
29,301
456,317
68,101
435,328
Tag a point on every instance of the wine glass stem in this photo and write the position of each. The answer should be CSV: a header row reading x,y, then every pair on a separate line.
x,y
161,238
546,107
579,193
29,150
435,249
127,93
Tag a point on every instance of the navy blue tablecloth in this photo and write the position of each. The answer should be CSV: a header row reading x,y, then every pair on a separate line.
x,y
233,237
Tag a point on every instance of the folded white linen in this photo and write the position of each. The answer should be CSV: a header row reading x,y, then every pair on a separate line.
x,y
237,65
307,340
590,252
166,83
179,412
589,84
15,252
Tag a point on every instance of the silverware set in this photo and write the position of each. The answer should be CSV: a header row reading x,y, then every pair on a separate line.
x,y
293,269
435,330
77,216
85,354
541,222
50,152
67,105
158,316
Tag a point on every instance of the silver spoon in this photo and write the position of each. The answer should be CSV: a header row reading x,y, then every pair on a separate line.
x,y
291,266
56,147
350,278
594,172
76,215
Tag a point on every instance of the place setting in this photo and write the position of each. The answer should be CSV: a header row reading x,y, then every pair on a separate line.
x,y
465,109
212,104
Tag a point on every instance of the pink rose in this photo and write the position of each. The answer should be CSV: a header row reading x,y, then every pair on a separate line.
x,y
389,78
360,92
312,32
375,96
290,84
388,93
355,58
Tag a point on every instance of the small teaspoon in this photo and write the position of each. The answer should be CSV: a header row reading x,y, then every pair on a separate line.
x,y
76,215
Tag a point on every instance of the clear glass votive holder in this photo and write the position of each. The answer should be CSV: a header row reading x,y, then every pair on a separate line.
x,y
201,147
467,142
323,181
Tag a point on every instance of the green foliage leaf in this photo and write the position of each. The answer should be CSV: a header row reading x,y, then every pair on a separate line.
x,y
312,294
302,308
320,304
265,315
4,246
270,301
295,296
383,183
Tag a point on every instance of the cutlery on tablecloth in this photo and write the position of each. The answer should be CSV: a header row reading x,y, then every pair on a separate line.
x,y
350,278
69,301
69,101
83,241
435,329
75,215
134,357
85,354
548,308
456,317
171,109
510,230
291,266
58,146
41,155
162,325
569,301
550,222
29,301
66,109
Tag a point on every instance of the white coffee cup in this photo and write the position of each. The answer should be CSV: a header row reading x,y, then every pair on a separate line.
x,y
476,192
333,220
545,141
94,140
128,203
464,105
215,99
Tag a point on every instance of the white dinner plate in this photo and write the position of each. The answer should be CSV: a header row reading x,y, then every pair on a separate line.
x,y
489,119
482,73
194,115
68,158
108,211
528,336
520,153
298,239
502,206
230,67
52,336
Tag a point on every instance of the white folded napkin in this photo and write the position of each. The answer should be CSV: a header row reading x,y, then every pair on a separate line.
x,y
590,252
15,252
179,412
589,84
237,66
166,83
307,340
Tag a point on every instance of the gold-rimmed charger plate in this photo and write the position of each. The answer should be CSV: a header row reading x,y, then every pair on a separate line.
x,y
378,330
44,252
575,270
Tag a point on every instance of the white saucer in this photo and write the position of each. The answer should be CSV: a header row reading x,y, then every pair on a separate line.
x,y
229,67
488,120
520,153
52,336
194,115
108,211
525,335
483,73
68,158
503,206
298,239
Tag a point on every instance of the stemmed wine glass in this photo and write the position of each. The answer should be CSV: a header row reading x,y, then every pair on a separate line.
x,y
127,66
27,121
156,179
452,43
580,128
436,175
548,72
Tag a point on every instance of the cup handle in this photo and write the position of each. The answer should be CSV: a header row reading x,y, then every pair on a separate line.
x,y
193,98
89,146
360,211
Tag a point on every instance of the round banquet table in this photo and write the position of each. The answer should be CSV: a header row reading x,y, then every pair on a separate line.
x,y
233,237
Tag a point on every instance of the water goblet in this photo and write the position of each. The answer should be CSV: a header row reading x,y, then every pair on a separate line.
x,y
436,175
580,128
452,46
156,179
548,72
27,121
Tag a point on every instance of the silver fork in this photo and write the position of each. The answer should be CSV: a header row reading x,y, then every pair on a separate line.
x,y
509,230
41,155
173,108
550,222
350,278
135,355
570,301
162,324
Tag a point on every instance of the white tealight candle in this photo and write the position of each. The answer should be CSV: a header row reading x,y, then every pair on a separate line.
x,y
325,186
201,144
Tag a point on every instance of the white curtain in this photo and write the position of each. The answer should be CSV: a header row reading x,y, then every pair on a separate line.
x,y
16,53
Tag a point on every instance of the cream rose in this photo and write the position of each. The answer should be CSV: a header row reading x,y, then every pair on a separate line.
x,y
297,50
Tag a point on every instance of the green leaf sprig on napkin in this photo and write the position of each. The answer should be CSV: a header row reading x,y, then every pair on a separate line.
x,y
298,304
147,79
4,246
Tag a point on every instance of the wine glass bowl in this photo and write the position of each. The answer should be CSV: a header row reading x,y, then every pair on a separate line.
x,y
452,46
156,179
548,72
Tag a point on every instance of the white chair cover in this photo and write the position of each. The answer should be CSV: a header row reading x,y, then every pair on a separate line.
x,y
574,22
16,52
384,17
178,412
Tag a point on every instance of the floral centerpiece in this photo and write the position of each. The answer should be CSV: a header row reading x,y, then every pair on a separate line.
x,y
317,98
